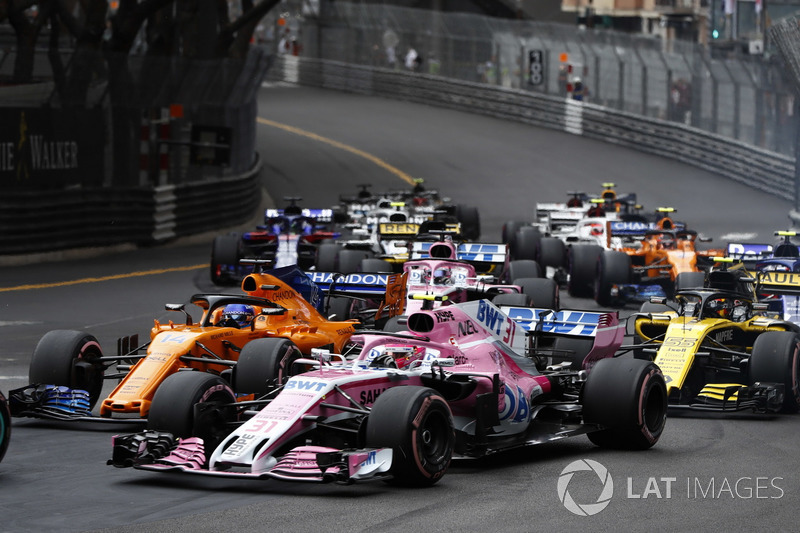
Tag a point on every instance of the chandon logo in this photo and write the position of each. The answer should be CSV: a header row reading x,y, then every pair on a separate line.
x,y
585,509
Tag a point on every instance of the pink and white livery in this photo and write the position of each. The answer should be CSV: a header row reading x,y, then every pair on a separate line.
x,y
450,386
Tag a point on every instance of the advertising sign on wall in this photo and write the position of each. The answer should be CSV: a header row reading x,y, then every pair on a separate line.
x,y
51,148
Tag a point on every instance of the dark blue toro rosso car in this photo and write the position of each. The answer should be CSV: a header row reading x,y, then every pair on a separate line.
x,y
777,269
288,236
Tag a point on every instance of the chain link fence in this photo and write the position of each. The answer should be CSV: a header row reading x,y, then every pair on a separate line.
x,y
740,96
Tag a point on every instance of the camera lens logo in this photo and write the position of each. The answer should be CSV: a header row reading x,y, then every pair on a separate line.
x,y
585,509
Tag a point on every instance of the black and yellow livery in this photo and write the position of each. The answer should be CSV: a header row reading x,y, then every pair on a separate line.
x,y
719,351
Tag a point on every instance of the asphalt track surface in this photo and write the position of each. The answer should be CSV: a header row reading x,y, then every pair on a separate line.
x,y
730,474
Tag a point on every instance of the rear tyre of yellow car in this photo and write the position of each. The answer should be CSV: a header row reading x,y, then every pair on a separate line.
x,y
776,359
628,399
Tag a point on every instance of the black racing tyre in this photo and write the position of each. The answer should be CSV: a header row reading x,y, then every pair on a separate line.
x,y
351,260
523,268
689,280
396,324
510,229
326,259
514,299
613,268
470,221
224,251
417,424
339,308
173,407
552,252
68,358
526,243
5,426
264,364
628,397
582,268
543,291
775,359
572,349
372,264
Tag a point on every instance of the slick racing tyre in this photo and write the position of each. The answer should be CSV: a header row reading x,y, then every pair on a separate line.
x,y
775,359
510,229
339,308
351,260
526,243
582,267
552,252
68,358
628,397
265,364
613,268
5,426
470,221
417,424
372,264
543,291
224,251
327,257
523,268
173,407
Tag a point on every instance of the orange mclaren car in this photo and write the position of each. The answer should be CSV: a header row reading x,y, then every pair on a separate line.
x,y
68,368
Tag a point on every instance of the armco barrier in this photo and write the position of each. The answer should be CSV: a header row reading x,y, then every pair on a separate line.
x,y
45,221
761,169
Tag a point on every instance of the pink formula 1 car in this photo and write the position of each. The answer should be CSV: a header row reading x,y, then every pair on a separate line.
x,y
450,386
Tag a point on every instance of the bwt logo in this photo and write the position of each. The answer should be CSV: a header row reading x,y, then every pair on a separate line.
x,y
606,490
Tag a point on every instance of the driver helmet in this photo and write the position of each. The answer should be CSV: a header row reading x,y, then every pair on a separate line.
x,y
719,307
441,276
404,354
242,314
666,242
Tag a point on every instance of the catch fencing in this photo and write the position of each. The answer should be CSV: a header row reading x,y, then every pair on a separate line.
x,y
733,94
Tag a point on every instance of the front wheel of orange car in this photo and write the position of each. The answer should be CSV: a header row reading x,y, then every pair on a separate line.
x,y
68,358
